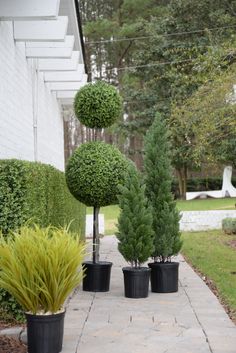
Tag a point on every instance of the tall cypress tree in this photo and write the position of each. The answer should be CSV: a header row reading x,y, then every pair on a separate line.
x,y
135,232
158,177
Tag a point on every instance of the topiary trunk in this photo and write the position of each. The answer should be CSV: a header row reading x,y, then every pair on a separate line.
x,y
96,241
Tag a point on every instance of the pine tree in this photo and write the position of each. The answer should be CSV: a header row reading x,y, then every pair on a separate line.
x,y
157,164
135,232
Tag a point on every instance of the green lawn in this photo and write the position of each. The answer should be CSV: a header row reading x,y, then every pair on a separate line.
x,y
210,253
111,212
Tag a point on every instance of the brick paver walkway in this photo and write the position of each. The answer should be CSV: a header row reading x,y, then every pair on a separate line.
x,y
190,321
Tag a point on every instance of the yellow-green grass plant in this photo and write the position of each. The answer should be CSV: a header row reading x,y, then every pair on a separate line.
x,y
40,267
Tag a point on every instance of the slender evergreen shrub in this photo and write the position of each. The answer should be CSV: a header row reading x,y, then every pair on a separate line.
x,y
158,179
36,191
97,105
229,225
135,233
94,172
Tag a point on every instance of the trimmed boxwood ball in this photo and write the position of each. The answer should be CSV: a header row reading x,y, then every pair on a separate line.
x,y
94,172
97,105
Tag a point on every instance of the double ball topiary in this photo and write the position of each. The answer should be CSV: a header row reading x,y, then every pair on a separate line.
x,y
97,105
94,172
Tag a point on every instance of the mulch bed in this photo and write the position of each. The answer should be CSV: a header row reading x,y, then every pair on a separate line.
x,y
232,243
7,324
10,345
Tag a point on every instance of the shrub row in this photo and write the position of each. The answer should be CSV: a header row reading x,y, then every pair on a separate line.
x,y
229,225
36,191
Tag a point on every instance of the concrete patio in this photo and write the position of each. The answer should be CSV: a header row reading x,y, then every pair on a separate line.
x,y
190,321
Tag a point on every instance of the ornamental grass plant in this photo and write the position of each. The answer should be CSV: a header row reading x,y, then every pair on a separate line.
x,y
40,267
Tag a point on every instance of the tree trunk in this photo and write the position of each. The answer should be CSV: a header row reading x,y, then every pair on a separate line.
x,y
66,141
182,174
108,138
180,180
82,133
96,241
185,181
138,152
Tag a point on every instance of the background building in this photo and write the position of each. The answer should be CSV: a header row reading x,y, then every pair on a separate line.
x,y
41,68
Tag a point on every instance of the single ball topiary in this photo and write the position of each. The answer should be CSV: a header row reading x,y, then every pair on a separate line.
x,y
97,105
94,172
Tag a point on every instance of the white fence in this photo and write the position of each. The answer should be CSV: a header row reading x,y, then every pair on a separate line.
x,y
89,225
190,221
204,220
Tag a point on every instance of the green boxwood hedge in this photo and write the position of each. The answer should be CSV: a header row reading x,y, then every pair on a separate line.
x,y
36,191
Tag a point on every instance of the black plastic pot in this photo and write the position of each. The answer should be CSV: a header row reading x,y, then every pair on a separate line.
x,y
164,277
45,333
97,276
136,282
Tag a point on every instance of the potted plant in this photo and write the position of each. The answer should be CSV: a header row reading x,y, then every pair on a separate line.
x,y
135,234
40,267
167,242
95,170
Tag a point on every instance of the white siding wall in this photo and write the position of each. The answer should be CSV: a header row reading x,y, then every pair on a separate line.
x,y
16,107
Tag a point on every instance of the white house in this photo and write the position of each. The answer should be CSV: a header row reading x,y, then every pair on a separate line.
x,y
41,68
